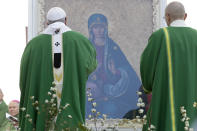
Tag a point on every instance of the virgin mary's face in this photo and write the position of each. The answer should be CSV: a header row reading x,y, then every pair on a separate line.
x,y
98,31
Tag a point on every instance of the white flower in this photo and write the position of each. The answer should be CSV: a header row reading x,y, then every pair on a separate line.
x,y
93,110
37,108
183,111
36,102
140,100
94,104
104,116
187,118
49,93
52,100
184,115
46,101
54,96
142,104
90,116
139,93
32,97
183,119
137,117
187,123
141,111
53,104
186,128
152,127
30,120
90,99
27,115
67,105
89,94
195,104
53,89
98,113
69,116
54,83
139,104
23,108
144,116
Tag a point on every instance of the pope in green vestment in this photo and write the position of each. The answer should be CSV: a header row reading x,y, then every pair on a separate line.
x,y
169,70
78,58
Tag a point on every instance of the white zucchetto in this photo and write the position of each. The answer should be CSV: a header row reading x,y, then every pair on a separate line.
x,y
56,13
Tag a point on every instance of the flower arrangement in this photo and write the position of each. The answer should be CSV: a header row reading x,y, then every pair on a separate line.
x,y
94,115
51,107
185,119
96,121
115,124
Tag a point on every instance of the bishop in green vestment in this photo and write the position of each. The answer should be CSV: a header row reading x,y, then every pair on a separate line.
x,y
57,55
169,70
5,124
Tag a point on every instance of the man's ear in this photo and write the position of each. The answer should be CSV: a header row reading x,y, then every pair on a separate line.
x,y
185,16
65,21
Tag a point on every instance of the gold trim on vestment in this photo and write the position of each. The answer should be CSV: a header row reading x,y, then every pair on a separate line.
x,y
170,78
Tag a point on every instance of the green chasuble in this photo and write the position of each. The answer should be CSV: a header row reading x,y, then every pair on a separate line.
x,y
3,111
169,70
36,77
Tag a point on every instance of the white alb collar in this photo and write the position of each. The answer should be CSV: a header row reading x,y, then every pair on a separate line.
x,y
55,26
178,23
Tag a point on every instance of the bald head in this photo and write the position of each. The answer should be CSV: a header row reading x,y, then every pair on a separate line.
x,y
175,11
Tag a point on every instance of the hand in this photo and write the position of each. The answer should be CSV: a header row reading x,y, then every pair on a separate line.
x,y
1,95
